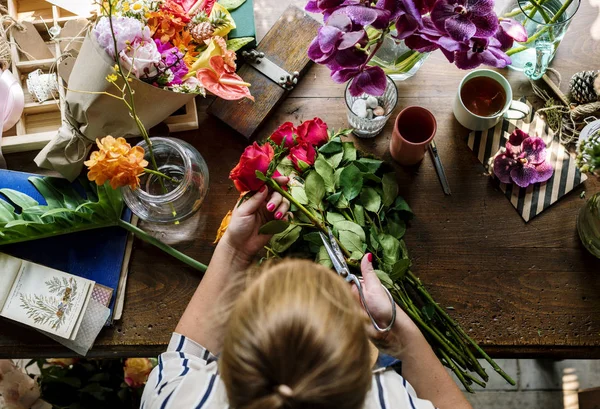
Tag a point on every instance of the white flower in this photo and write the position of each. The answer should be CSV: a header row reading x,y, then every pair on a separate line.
x,y
141,58
137,7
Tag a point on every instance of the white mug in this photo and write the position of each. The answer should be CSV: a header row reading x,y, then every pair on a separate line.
x,y
511,110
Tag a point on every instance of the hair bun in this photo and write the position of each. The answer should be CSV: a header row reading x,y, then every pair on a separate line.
x,y
285,391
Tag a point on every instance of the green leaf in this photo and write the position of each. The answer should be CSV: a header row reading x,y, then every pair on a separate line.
x,y
399,269
299,194
373,240
368,165
373,177
352,242
333,146
336,177
401,206
390,188
351,182
404,249
260,176
231,4
357,255
315,190
334,197
282,241
273,227
359,215
391,249
349,152
7,211
395,226
346,225
336,159
342,203
428,311
236,44
325,170
286,167
334,218
384,278
20,199
313,237
323,257
370,199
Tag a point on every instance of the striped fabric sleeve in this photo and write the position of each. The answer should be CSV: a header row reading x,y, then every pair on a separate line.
x,y
392,391
185,377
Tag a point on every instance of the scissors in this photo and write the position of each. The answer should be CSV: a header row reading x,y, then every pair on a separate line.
x,y
340,265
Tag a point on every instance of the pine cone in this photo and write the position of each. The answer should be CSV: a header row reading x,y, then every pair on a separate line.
x,y
585,86
202,31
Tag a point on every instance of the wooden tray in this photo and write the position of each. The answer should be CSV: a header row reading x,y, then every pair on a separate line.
x,y
40,121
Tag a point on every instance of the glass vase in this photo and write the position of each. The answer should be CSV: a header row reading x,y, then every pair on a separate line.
x,y
397,60
588,225
172,199
546,22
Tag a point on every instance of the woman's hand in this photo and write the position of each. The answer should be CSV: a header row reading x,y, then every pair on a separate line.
x,y
379,306
242,234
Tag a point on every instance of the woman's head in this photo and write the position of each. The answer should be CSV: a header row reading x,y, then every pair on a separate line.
x,y
295,338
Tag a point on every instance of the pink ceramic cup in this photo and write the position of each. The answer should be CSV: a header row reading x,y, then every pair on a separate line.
x,y
414,129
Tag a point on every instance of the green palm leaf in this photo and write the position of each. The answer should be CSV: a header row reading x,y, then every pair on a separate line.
x,y
67,210
22,218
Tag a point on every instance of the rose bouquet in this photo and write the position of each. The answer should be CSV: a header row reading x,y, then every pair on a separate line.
x,y
468,32
167,50
332,185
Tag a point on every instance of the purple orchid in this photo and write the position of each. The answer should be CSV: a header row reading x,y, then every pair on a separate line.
x,y
335,44
523,161
405,14
172,64
369,80
464,19
323,6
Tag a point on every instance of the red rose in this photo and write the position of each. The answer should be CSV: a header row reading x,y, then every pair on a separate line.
x,y
254,158
313,132
285,132
303,156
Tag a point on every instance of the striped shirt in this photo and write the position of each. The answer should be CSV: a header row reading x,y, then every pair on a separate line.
x,y
187,377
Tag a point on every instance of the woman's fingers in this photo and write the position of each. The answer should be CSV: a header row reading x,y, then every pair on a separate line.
x,y
281,180
274,202
252,204
282,209
368,273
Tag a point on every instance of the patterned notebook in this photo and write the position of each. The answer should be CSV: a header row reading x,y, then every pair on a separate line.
x,y
536,198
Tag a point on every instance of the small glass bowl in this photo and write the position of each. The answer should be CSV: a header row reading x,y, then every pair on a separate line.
x,y
369,128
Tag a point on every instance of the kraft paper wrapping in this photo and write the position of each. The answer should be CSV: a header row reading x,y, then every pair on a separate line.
x,y
89,115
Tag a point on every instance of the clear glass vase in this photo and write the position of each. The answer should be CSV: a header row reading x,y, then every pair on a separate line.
x,y
588,225
546,22
170,200
397,60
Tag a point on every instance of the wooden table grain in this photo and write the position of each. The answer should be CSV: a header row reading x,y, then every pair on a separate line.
x,y
519,289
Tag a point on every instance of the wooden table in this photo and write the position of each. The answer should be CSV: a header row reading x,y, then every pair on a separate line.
x,y
519,289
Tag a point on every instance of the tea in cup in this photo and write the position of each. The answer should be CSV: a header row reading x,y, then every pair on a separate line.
x,y
484,97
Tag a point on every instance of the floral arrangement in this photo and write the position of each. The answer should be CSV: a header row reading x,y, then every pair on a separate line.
x,y
588,154
468,33
178,45
523,160
332,185
73,382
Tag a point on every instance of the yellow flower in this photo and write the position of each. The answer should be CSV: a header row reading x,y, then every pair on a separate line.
x,y
125,6
117,162
136,371
223,227
111,77
226,28
64,362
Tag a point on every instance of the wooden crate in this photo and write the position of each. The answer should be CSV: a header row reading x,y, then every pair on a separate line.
x,y
40,121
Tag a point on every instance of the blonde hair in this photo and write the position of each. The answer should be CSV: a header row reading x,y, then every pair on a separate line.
x,y
295,338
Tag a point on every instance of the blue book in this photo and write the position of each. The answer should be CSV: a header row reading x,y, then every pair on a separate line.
x,y
97,255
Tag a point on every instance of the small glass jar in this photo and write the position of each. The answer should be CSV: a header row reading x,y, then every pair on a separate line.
x,y
369,128
588,225
165,200
398,61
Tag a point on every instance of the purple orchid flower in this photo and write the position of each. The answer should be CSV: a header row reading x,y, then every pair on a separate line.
x,y
335,43
323,6
523,161
405,14
464,19
172,60
369,80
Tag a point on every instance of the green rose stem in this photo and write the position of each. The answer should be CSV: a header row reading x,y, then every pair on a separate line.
x,y
141,234
423,291
534,37
160,174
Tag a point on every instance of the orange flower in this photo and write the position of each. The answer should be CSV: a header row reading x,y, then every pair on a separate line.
x,y
221,82
184,41
136,371
223,227
168,21
228,55
117,162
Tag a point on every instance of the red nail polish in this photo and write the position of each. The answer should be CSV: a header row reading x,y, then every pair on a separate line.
x,y
262,189
270,207
370,257
278,215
